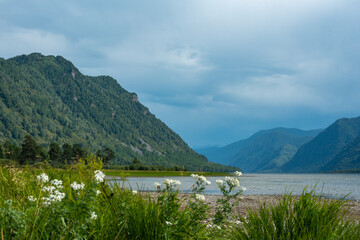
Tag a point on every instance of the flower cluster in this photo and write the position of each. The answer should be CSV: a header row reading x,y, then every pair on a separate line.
x,y
220,182
171,184
77,186
32,198
54,195
232,182
157,185
48,188
43,178
99,176
237,173
93,216
57,183
201,179
200,197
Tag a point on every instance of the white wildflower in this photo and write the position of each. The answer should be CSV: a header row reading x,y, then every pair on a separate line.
x,y
77,186
57,183
157,185
243,188
32,199
218,227
170,183
134,192
237,173
43,178
49,189
232,182
98,192
47,202
56,196
200,197
99,176
168,223
201,179
209,225
93,216
219,181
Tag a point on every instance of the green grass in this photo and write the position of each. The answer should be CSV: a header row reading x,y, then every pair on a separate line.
x,y
138,173
122,214
306,217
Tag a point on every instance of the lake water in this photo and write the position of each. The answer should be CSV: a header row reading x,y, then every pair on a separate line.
x,y
328,185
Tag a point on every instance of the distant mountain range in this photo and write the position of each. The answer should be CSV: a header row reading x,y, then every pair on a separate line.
x,y
336,148
48,98
265,151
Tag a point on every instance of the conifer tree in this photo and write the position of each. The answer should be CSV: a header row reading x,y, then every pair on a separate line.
x,y
54,152
67,154
28,151
1,152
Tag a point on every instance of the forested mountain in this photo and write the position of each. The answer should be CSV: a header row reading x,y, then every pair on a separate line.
x,y
347,159
336,148
265,151
48,98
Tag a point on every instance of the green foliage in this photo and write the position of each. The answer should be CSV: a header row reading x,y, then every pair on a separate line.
x,y
54,152
29,151
78,203
12,151
48,98
307,217
230,190
2,155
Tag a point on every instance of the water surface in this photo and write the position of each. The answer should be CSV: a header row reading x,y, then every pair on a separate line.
x,y
328,185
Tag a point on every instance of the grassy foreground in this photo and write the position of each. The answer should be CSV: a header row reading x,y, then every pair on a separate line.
x,y
79,204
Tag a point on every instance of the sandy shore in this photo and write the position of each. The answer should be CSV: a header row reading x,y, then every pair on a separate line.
x,y
255,201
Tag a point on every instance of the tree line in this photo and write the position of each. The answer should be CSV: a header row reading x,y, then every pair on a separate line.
x,y
30,153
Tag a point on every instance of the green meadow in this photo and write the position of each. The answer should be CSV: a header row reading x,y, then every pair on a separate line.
x,y
78,203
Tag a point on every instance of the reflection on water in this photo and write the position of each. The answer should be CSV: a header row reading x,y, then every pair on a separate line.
x,y
329,185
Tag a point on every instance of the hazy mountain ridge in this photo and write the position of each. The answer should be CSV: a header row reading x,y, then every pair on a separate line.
x,y
265,151
48,98
337,148
327,150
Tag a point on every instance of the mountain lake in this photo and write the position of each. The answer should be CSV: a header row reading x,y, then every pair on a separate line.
x,y
327,185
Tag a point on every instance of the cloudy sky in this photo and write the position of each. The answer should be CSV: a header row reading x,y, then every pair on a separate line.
x,y
214,71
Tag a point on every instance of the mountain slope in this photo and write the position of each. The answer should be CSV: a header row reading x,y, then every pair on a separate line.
x,y
265,151
320,151
48,98
347,159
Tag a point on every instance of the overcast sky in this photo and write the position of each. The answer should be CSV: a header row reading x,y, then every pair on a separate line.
x,y
213,71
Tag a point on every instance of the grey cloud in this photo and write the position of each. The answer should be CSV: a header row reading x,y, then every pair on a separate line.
x,y
224,68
